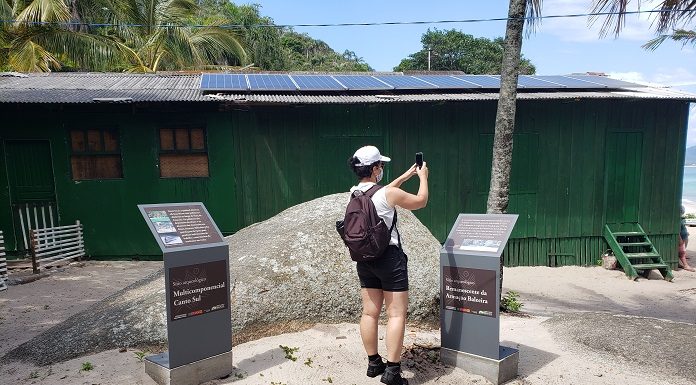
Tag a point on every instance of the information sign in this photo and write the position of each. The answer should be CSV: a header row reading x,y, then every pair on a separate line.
x,y
197,284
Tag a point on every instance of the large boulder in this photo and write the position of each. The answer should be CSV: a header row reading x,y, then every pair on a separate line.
x,y
287,273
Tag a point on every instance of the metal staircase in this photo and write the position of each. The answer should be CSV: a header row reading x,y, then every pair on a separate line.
x,y
634,251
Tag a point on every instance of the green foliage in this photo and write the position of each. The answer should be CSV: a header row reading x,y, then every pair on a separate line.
x,y
258,35
307,54
140,356
289,352
328,379
274,48
308,362
454,50
510,302
87,366
690,216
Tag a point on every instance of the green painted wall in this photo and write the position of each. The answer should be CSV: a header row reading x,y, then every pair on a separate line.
x,y
571,163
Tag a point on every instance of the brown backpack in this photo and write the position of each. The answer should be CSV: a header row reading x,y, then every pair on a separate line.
x,y
362,230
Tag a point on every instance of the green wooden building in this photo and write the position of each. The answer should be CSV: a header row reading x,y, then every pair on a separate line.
x,y
90,147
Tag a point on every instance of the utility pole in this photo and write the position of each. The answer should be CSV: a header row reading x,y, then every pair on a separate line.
x,y
429,51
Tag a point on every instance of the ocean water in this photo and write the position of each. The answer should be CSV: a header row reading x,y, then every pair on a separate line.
x,y
689,187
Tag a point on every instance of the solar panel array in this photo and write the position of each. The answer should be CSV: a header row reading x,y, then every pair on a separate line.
x,y
286,82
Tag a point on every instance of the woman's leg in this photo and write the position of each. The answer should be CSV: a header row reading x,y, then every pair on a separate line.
x,y
397,304
372,300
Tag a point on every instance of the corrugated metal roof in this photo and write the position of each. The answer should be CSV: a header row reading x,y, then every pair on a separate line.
x,y
357,99
85,87
71,88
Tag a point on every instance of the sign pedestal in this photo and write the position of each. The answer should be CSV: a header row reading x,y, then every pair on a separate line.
x,y
470,281
497,371
197,283
208,369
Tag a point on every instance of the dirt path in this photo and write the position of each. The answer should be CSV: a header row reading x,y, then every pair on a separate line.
x,y
335,352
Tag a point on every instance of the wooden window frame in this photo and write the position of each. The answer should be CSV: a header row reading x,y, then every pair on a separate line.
x,y
95,154
187,150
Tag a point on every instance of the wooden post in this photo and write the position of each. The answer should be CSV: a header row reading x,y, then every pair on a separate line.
x,y
32,250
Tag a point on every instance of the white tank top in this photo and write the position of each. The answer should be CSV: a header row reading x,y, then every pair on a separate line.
x,y
384,211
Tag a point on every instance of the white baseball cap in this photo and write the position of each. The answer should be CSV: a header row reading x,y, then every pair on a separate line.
x,y
368,155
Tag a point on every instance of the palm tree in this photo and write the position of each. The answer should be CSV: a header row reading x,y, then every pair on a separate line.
x,y
158,36
676,12
38,41
141,36
499,192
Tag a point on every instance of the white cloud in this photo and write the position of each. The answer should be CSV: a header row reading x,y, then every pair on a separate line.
x,y
679,78
668,76
691,133
581,29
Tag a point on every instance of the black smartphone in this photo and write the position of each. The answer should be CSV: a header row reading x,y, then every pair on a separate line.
x,y
419,159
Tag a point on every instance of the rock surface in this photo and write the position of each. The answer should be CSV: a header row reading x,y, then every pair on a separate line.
x,y
654,345
287,273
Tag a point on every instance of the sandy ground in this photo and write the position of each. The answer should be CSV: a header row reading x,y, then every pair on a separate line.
x,y
333,354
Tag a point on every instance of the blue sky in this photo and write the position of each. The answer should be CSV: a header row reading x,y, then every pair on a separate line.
x,y
559,46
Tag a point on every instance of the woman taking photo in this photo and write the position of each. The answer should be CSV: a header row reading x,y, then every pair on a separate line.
x,y
384,280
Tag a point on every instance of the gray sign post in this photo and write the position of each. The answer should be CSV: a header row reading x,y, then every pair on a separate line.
x,y
469,290
197,286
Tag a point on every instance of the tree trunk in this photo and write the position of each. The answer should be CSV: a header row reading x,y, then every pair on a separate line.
x,y
498,195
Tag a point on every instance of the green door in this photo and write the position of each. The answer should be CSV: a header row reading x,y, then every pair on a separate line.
x,y
623,171
32,190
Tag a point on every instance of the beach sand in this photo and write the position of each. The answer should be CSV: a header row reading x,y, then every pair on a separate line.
x,y
333,354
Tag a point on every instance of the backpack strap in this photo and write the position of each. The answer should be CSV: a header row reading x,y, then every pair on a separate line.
x,y
372,190
393,226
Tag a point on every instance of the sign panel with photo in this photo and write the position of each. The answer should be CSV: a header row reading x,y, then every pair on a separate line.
x,y
182,225
481,234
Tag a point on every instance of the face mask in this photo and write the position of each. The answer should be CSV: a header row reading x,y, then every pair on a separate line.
x,y
379,176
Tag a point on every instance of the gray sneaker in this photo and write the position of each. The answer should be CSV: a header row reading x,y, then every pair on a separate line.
x,y
392,376
376,367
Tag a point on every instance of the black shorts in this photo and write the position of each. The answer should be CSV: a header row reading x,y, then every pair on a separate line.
x,y
388,272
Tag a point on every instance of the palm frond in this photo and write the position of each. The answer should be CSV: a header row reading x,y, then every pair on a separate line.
x,y
533,15
217,43
6,11
28,56
45,11
175,11
674,13
616,18
88,51
680,35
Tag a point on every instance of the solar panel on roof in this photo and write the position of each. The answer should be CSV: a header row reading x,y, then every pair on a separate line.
x,y
223,82
567,82
362,82
603,80
485,81
317,83
447,81
526,81
405,82
271,83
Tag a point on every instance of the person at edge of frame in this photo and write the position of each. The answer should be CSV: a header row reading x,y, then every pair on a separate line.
x,y
384,281
683,242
